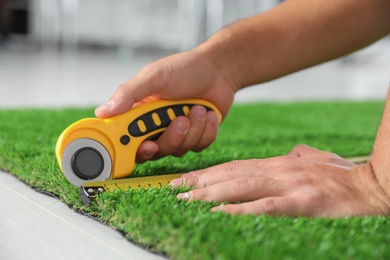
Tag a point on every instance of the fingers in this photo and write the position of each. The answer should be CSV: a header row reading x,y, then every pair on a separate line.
x,y
210,132
172,137
194,132
260,195
276,168
308,182
146,151
239,189
197,117
216,174
203,131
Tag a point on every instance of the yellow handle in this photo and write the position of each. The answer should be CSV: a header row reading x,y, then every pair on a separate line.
x,y
100,149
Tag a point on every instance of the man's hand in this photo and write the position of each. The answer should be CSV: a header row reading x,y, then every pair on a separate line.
x,y
306,182
180,76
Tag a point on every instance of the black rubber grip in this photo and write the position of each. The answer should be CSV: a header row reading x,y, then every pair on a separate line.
x,y
149,125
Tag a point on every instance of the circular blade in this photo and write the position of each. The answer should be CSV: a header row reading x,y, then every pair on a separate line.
x,y
86,160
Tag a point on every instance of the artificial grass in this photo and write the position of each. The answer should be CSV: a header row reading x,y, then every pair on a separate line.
x,y
154,217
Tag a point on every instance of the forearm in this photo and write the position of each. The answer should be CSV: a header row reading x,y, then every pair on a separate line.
x,y
295,35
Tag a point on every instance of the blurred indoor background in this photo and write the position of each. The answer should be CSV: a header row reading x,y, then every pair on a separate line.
x,y
76,52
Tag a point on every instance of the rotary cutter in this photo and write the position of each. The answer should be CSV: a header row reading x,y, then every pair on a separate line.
x,y
93,149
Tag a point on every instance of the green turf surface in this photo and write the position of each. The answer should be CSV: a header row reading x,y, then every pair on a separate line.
x,y
182,230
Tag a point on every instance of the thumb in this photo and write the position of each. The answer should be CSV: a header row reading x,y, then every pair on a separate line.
x,y
137,89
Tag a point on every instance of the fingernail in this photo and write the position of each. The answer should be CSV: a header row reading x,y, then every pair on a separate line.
x,y
200,113
182,128
213,118
184,196
177,182
105,107
148,155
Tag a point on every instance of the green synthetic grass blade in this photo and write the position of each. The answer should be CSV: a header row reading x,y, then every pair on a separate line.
x,y
160,222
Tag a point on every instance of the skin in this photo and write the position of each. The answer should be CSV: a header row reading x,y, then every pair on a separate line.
x,y
305,182
293,36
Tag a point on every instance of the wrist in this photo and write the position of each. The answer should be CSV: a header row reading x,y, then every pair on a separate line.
x,y
214,59
380,163
380,154
381,167
226,55
371,190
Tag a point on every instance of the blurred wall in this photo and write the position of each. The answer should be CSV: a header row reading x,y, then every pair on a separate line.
x,y
172,24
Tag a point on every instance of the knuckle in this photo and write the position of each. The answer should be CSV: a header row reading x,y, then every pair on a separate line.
x,y
311,196
281,168
194,181
230,169
242,184
286,164
199,194
121,90
151,69
333,158
302,180
172,143
232,166
270,206
299,146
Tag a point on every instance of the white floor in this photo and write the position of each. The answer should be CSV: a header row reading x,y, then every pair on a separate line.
x,y
36,226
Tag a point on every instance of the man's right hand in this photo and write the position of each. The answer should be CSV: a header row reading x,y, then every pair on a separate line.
x,y
180,76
